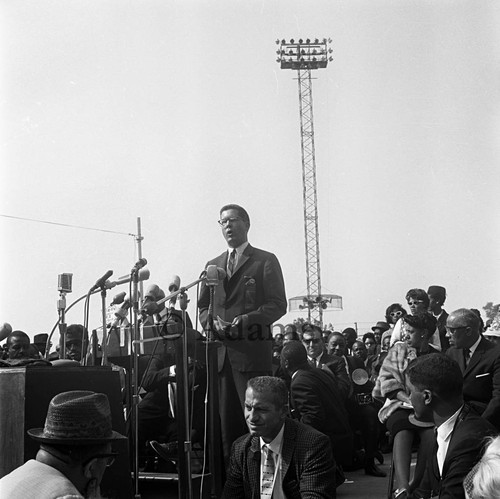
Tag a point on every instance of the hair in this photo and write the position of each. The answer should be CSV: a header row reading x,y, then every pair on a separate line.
x,y
295,353
335,333
418,294
393,308
17,334
486,481
481,322
438,373
311,328
370,336
294,336
470,318
293,327
241,211
360,342
75,453
77,330
423,322
438,292
271,385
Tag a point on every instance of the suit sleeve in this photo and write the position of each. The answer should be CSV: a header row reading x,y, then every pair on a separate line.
x,y
317,480
465,456
233,487
492,411
274,304
307,404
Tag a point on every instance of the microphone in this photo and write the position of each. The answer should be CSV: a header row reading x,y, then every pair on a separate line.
x,y
175,284
214,274
138,265
142,276
121,313
118,298
100,283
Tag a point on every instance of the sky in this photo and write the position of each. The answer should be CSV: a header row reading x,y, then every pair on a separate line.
x,y
114,110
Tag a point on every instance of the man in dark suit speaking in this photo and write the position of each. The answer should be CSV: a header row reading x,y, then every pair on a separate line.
x,y
247,302
280,457
250,299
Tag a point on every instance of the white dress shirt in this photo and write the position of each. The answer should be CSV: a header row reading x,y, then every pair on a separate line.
x,y
443,437
276,446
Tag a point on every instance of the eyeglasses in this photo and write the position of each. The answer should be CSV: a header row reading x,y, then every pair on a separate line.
x,y
315,341
398,313
453,330
223,222
110,458
415,302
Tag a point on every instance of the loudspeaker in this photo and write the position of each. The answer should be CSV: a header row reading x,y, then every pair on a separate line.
x,y
25,396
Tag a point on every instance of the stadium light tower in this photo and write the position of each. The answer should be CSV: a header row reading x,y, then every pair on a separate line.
x,y
304,56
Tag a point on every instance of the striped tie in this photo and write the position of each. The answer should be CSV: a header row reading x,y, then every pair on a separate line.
x,y
231,262
266,489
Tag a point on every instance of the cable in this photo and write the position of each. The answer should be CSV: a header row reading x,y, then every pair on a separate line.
x,y
68,225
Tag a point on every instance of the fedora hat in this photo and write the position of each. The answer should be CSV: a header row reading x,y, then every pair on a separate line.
x,y
381,325
77,418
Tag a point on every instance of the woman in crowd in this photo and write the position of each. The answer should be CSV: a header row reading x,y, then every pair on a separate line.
x,y
397,413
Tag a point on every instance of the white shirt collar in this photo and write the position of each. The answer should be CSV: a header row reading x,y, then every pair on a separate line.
x,y
239,250
472,349
443,436
276,444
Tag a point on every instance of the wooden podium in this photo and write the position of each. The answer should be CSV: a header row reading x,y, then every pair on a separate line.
x,y
25,393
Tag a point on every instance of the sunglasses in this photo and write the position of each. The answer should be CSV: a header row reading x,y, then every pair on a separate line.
x,y
315,341
398,313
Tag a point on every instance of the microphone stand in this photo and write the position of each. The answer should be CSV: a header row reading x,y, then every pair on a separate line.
x,y
61,308
134,275
104,360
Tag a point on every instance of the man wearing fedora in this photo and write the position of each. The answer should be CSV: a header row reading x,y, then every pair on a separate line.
x,y
75,449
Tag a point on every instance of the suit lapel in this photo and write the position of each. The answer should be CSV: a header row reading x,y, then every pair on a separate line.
x,y
477,356
242,259
254,467
287,448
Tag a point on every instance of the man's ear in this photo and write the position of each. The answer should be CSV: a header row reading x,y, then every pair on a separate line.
x,y
427,396
89,468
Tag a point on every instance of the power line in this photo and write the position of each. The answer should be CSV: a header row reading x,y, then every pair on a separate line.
x,y
68,225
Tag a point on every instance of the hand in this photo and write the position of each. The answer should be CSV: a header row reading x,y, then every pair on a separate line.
x,y
237,326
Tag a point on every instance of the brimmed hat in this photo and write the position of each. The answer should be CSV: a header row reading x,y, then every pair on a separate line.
x,y
381,325
77,418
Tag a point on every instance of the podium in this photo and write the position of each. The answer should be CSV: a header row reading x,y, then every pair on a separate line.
x,y
25,394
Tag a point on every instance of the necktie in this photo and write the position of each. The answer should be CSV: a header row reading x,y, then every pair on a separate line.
x,y
231,263
266,483
466,356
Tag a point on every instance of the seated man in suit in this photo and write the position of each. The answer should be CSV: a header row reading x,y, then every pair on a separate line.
x,y
479,361
312,339
316,401
436,393
280,457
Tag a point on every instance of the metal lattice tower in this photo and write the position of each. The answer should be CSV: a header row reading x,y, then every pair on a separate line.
x,y
305,57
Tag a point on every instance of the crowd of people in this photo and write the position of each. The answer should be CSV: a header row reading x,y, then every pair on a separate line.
x,y
299,411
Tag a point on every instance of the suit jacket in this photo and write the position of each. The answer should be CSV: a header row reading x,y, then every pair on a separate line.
x,y
316,401
336,366
441,327
464,450
482,379
256,288
307,465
